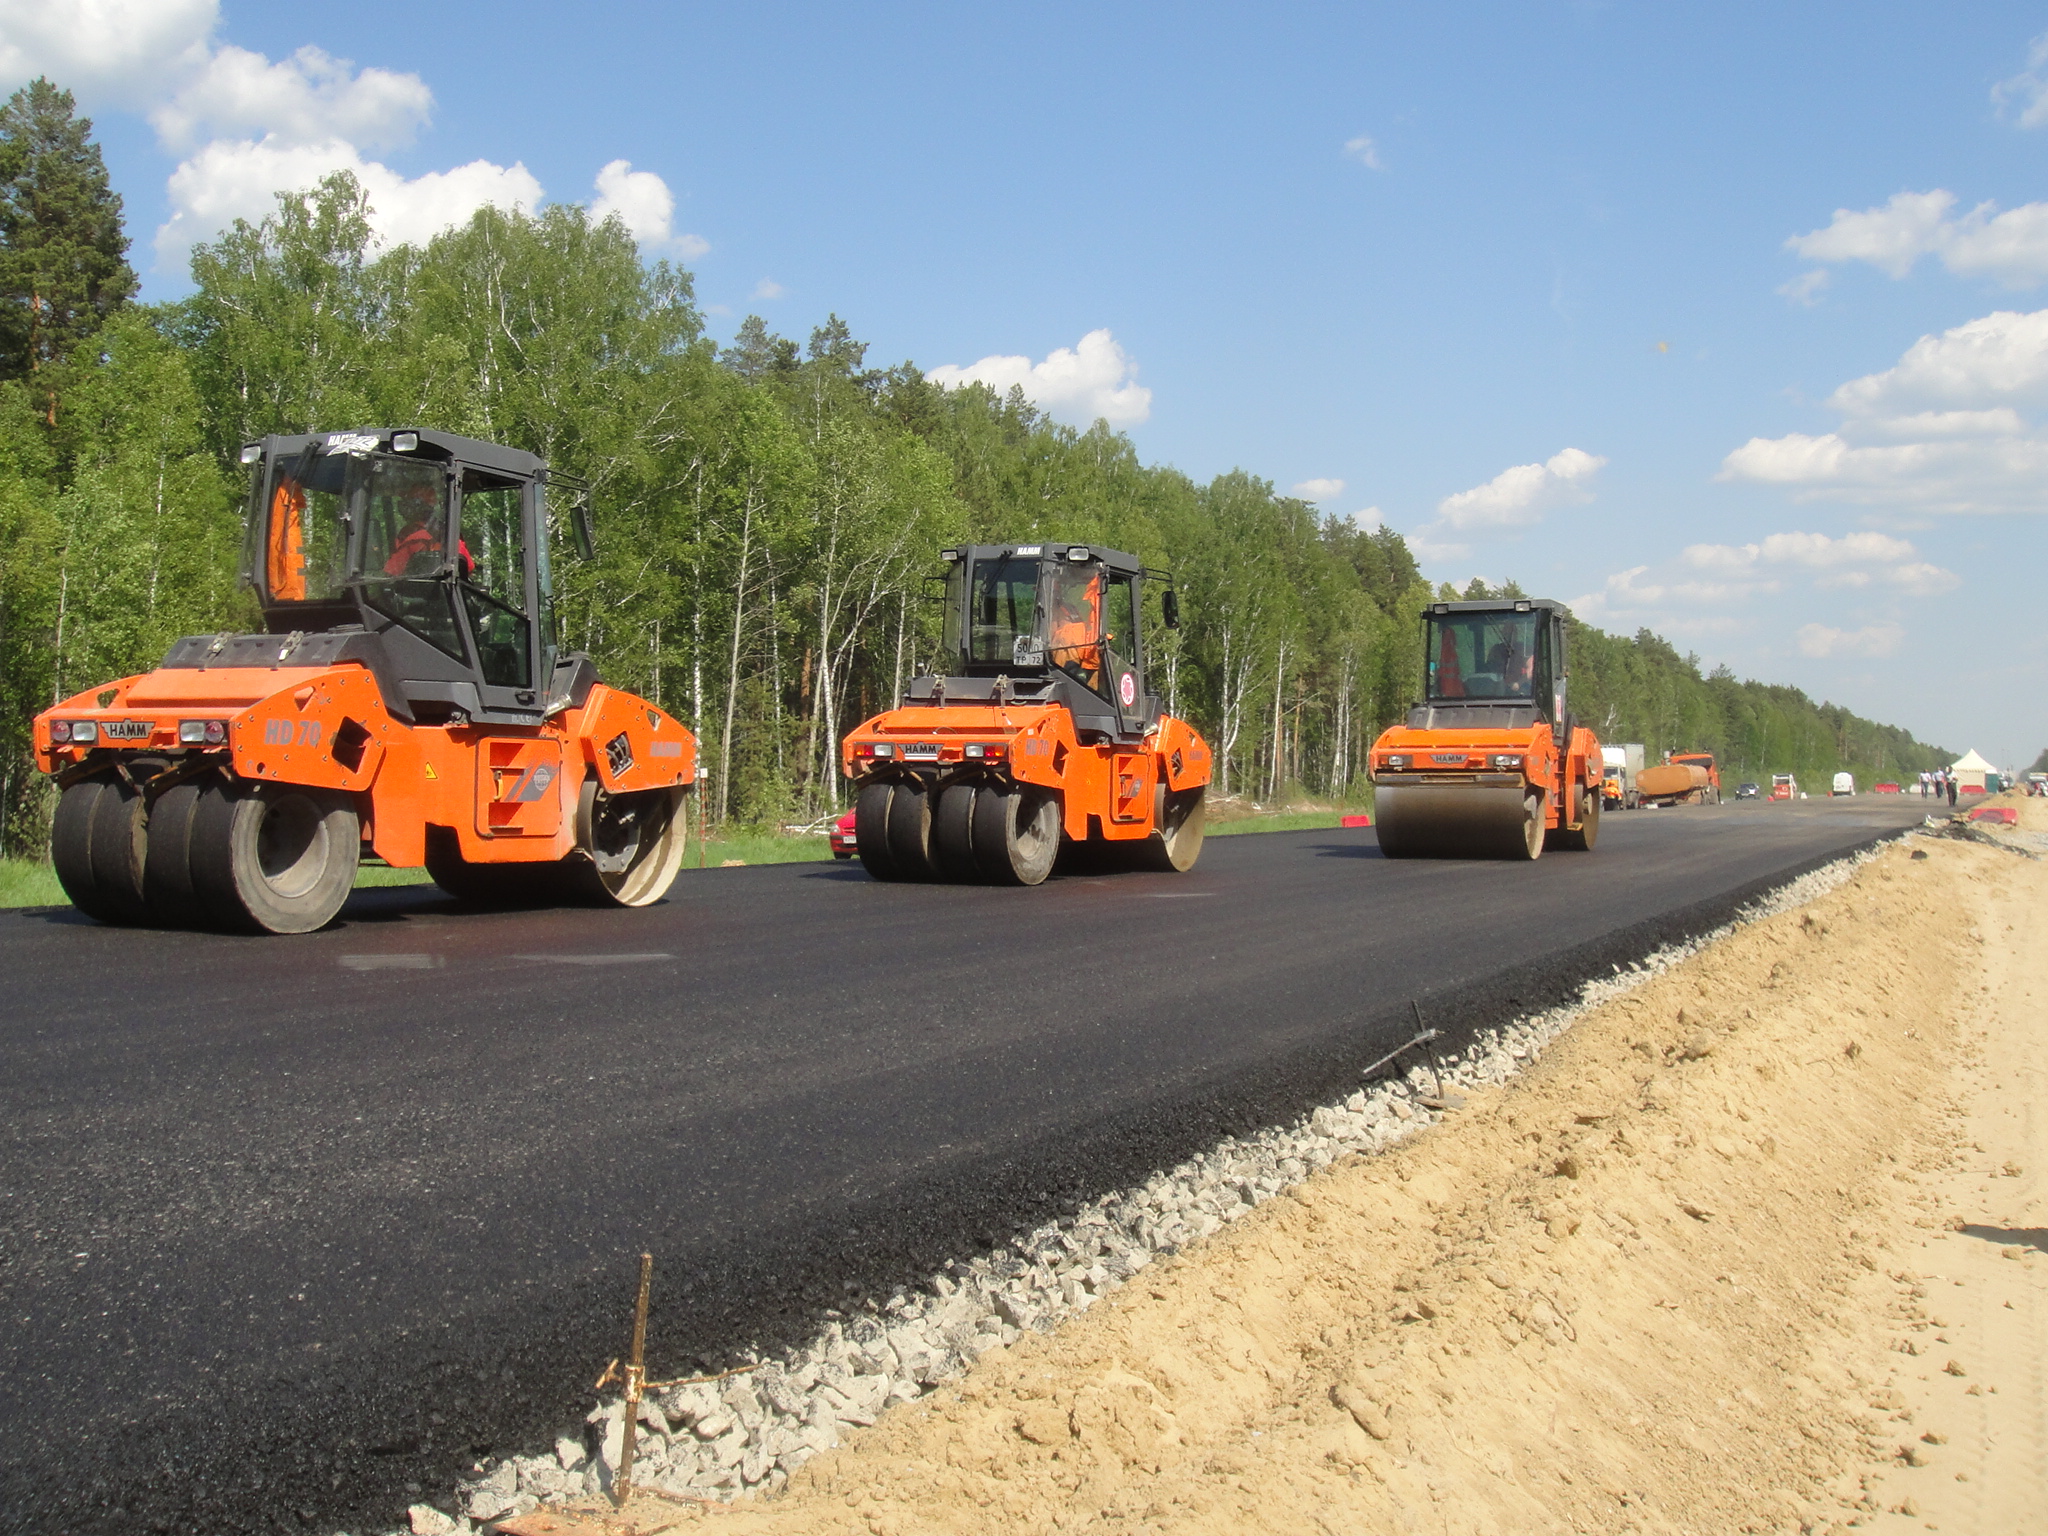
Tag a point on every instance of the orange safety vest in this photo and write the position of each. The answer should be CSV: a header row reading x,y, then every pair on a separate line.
x,y
285,565
1450,682
1077,643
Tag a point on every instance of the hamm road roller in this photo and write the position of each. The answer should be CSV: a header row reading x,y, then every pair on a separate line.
x,y
406,699
1491,763
1036,733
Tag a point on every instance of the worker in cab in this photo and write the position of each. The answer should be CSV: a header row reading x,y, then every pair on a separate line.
x,y
1076,631
417,549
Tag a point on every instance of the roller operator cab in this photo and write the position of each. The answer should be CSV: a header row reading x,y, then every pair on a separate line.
x,y
407,699
1491,763
1038,731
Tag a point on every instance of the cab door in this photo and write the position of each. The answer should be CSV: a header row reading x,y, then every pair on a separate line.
x,y
1123,665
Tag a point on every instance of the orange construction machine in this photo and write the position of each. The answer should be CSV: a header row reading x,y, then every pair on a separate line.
x,y
1491,763
406,699
1037,733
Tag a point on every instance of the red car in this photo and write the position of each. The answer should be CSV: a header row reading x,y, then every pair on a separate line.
x,y
844,844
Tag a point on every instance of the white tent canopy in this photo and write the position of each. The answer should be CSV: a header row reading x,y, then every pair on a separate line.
x,y
1969,770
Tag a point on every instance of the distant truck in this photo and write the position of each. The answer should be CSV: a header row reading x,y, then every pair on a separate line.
x,y
1683,778
1618,783
1845,784
1784,787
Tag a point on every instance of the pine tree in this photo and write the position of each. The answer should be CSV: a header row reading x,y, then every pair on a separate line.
x,y
63,253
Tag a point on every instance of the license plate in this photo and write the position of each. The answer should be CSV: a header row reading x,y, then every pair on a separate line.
x,y
127,730
927,750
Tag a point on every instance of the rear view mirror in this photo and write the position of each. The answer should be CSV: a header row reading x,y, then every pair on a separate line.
x,y
579,524
1169,605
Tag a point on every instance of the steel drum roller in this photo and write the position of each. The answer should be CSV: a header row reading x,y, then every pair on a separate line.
x,y
1457,821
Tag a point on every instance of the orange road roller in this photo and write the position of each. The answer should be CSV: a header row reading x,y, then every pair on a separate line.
x,y
1491,763
1038,733
406,700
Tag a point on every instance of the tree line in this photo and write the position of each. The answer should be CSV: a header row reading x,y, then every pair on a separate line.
x,y
768,512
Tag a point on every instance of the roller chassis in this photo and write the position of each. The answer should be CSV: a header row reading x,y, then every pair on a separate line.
x,y
1553,800
1035,734
1141,800
407,701
1491,764
468,801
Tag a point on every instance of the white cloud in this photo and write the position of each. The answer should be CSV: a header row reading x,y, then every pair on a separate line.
x,y
767,288
1855,560
1368,517
1319,490
1428,550
309,98
1096,379
1808,549
1518,497
1875,640
1945,429
104,48
644,204
2011,247
1364,151
2029,88
231,179
248,128
1807,287
1713,588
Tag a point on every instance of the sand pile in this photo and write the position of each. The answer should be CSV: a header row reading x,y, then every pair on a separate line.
x,y
1670,1280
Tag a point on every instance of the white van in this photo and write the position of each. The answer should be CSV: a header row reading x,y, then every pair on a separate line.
x,y
1845,784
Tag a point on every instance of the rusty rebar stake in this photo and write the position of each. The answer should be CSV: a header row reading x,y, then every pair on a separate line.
x,y
636,1381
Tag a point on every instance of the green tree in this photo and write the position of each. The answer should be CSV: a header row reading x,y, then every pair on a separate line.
x,y
63,253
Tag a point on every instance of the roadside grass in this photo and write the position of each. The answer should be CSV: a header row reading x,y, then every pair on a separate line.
x,y
32,883
29,883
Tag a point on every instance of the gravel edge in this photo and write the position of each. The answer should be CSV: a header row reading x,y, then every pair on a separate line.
x,y
744,1436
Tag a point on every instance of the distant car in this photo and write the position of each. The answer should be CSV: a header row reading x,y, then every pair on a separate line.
x,y
844,844
1845,784
1747,790
1886,788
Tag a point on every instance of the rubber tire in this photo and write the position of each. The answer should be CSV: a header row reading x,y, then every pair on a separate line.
x,y
72,834
167,888
871,830
910,832
228,854
953,833
1179,820
1583,838
1016,834
71,843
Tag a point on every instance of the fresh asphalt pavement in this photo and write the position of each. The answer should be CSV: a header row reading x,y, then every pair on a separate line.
x,y
292,1231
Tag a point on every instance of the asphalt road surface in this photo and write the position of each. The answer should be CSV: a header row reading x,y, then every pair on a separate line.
x,y
292,1230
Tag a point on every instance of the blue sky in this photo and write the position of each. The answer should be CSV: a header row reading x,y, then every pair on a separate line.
x,y
1560,291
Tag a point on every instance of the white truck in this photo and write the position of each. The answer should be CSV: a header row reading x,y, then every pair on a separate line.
x,y
1619,767
1845,784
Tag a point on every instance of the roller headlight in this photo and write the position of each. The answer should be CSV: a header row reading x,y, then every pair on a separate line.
x,y
1507,760
1396,763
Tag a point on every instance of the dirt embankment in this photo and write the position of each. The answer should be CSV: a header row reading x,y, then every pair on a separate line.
x,y
1704,1269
